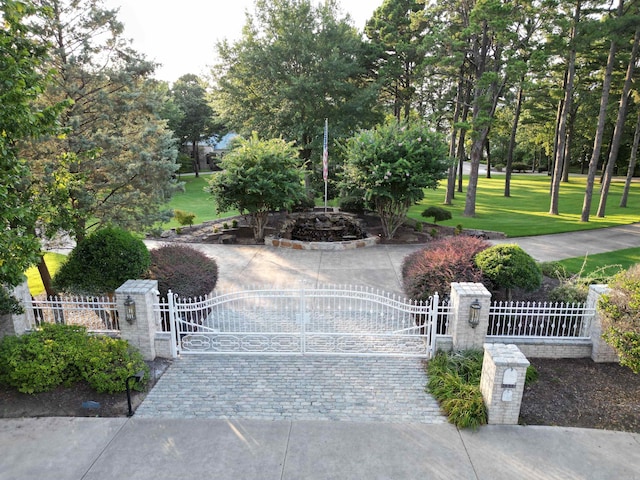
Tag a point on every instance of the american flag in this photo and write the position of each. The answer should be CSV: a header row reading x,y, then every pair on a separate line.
x,y
325,151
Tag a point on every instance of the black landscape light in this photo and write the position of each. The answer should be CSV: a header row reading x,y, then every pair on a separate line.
x,y
138,376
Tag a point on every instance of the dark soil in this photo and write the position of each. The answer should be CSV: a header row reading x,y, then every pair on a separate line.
x,y
581,393
76,401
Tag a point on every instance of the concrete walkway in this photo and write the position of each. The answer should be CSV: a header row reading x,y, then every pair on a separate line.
x,y
559,246
197,449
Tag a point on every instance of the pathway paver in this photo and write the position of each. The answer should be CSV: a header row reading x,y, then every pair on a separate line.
x,y
266,387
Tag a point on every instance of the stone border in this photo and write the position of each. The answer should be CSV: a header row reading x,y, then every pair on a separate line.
x,y
299,245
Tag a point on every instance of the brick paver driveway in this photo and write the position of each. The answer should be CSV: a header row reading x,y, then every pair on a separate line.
x,y
293,387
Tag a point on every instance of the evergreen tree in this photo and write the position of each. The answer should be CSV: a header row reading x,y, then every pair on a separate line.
x,y
115,163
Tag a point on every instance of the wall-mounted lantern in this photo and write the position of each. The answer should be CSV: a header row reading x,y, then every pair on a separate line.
x,y
474,313
129,309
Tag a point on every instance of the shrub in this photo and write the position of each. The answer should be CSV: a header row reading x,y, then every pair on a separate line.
x,y
353,204
418,227
106,363
520,167
102,262
438,214
304,204
620,310
184,218
553,270
454,380
183,269
509,266
185,162
568,292
432,269
9,303
63,355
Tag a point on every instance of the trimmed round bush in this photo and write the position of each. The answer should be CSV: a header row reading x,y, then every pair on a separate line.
x,y
438,214
508,266
432,269
102,262
183,269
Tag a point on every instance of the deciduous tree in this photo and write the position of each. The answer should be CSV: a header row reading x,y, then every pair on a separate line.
x,y
258,177
391,165
295,65
22,63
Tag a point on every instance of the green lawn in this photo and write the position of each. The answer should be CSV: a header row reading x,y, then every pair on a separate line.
x,y
195,200
53,261
624,258
526,211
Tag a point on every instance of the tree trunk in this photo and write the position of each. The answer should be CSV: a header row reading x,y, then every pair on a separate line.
x,y
45,275
461,157
602,119
562,128
512,139
622,115
566,161
451,178
463,134
472,186
632,164
488,150
195,161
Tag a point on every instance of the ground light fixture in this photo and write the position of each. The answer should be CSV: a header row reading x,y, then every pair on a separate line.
x,y
474,313
137,377
129,310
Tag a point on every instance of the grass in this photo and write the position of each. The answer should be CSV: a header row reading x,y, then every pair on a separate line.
x,y
624,258
525,213
195,200
53,261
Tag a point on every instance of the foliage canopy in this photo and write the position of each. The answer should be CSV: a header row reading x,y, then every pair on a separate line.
x,y
258,177
391,165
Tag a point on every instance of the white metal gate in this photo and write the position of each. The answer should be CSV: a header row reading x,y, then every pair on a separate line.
x,y
331,320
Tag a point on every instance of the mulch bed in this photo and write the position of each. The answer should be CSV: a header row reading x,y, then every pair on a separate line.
x,y
581,393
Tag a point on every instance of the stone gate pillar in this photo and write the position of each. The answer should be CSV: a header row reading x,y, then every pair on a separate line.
x,y
465,335
140,331
504,369
601,351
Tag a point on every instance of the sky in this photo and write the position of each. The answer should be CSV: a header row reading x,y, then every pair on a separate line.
x,y
181,35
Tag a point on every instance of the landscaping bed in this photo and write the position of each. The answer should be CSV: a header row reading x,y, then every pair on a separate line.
x,y
78,400
581,393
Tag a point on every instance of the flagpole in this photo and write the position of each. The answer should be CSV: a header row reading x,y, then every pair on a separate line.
x,y
325,160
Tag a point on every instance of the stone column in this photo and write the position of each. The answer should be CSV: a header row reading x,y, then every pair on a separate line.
x,y
601,351
462,296
17,324
142,331
504,369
